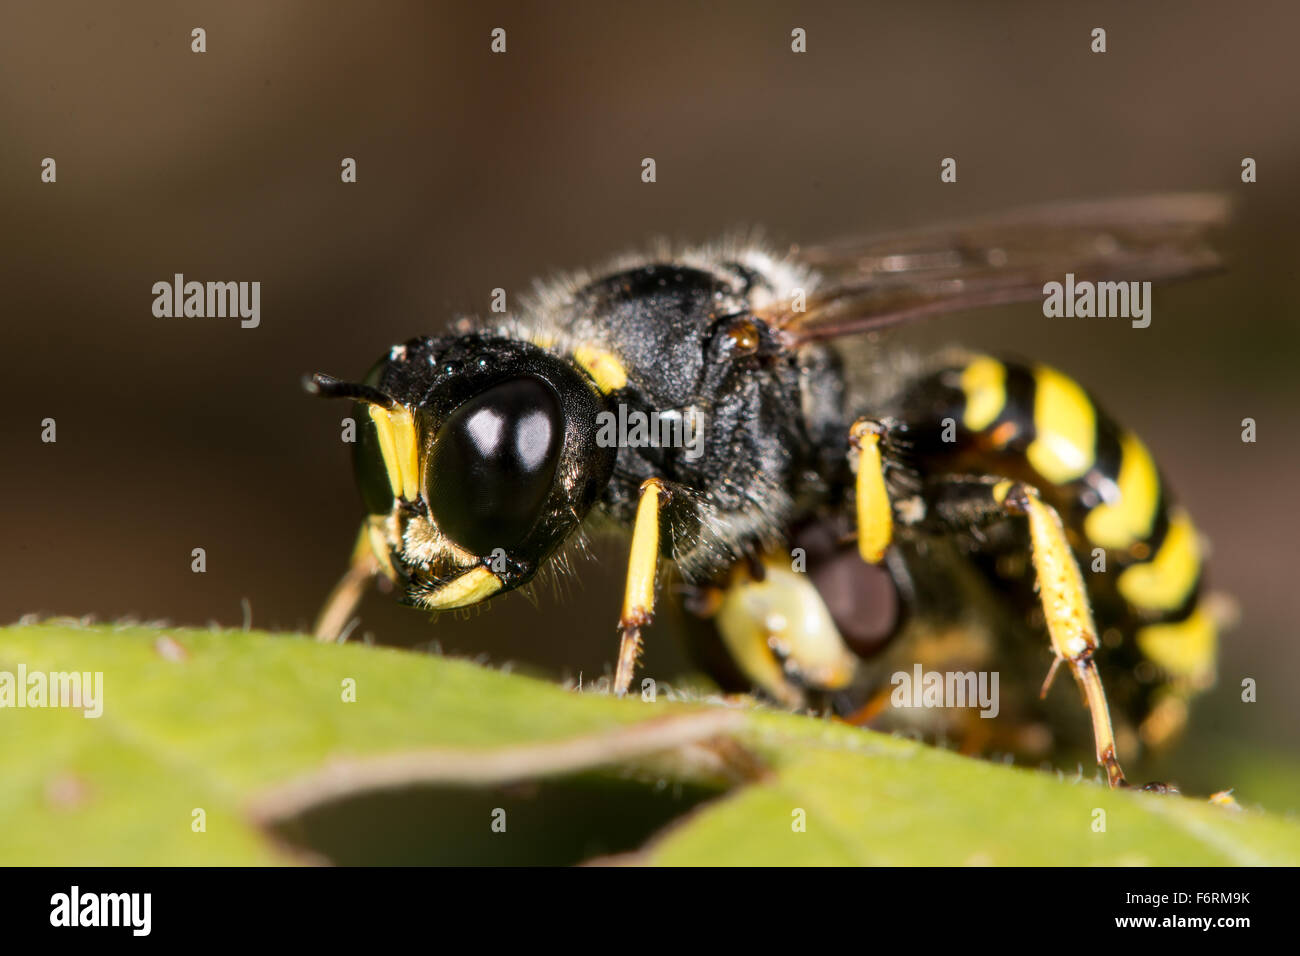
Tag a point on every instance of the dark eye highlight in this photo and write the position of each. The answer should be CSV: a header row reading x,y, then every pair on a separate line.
x,y
493,464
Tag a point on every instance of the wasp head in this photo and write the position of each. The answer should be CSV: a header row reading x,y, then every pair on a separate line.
x,y
476,458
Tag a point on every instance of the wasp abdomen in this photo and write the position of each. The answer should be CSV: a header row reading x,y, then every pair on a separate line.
x,y
1035,424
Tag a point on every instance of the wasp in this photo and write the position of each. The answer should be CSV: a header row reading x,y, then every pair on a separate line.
x,y
848,514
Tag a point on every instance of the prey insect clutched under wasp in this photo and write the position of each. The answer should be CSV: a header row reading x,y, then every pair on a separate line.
x,y
850,511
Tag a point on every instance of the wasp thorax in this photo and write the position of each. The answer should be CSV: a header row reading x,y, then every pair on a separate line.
x,y
493,462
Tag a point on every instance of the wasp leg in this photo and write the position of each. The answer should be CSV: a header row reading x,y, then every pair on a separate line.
x,y
1061,592
343,599
875,514
642,567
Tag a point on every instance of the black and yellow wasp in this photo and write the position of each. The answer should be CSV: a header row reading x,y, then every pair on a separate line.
x,y
851,511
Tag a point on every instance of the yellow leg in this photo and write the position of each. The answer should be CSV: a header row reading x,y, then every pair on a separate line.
x,y
1067,610
347,593
875,515
639,598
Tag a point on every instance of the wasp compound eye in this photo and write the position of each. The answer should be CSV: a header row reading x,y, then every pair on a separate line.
x,y
493,464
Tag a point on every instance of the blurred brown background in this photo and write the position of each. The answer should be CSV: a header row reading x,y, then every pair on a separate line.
x,y
478,170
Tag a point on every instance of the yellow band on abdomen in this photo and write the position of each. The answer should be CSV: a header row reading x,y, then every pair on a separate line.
x,y
1130,519
1185,649
1166,581
984,382
1065,423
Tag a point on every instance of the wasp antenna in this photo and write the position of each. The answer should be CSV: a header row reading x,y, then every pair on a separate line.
x,y
327,386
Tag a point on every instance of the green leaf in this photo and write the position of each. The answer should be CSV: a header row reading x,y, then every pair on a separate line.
x,y
255,731
868,800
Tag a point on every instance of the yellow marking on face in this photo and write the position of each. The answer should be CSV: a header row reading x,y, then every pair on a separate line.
x,y
1130,519
875,517
398,445
1185,649
1166,581
473,586
1060,584
1065,421
408,459
603,366
643,562
387,447
984,381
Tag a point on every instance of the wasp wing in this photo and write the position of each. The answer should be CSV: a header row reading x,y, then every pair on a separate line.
x,y
874,283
